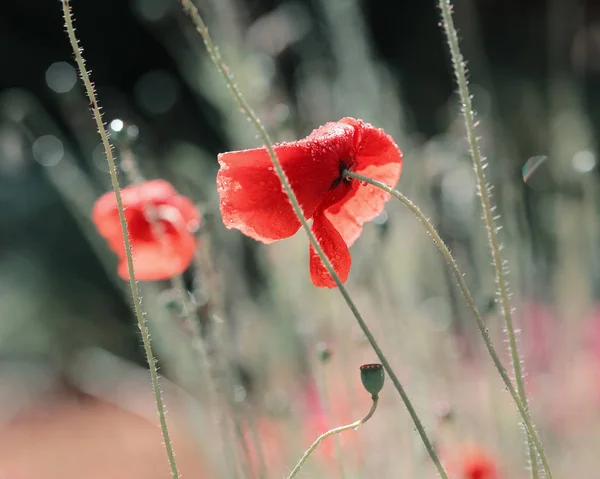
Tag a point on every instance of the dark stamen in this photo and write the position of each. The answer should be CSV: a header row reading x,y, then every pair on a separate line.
x,y
342,167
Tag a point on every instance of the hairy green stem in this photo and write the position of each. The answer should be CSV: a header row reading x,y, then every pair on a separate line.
x,y
189,310
137,305
134,175
212,49
458,276
488,209
331,432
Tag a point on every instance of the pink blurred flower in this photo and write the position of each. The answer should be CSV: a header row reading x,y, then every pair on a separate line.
x,y
471,461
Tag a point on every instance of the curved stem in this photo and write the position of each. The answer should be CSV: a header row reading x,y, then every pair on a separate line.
x,y
225,71
137,304
331,432
458,276
488,209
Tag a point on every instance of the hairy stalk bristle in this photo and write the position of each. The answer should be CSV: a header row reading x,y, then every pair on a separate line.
x,y
485,189
137,303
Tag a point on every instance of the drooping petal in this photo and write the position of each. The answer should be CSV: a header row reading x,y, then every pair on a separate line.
x,y
335,249
159,261
153,191
252,198
378,157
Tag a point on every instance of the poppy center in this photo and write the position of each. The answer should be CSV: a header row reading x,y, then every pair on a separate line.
x,y
342,167
340,187
142,231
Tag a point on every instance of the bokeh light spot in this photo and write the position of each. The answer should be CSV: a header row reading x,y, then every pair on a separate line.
x,y
133,132
116,125
152,10
156,92
48,150
584,161
61,77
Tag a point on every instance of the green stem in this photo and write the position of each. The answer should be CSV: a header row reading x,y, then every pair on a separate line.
x,y
331,432
189,310
488,209
458,276
137,305
134,175
215,56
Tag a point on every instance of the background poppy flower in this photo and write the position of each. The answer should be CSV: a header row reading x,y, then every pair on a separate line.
x,y
161,250
470,461
253,201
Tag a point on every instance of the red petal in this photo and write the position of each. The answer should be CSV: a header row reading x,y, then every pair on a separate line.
x,y
252,198
335,249
188,211
154,192
156,261
378,157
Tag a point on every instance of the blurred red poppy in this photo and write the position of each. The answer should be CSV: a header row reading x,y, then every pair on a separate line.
x,y
162,247
470,461
253,201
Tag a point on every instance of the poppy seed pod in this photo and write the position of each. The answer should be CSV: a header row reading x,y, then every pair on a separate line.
x,y
372,377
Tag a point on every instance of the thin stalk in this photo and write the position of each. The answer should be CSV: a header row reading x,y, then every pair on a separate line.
x,y
488,210
331,432
134,175
137,304
215,56
458,276
189,310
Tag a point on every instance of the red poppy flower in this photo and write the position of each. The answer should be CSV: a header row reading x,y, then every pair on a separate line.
x,y
162,248
470,461
253,201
